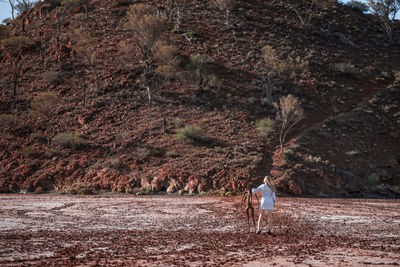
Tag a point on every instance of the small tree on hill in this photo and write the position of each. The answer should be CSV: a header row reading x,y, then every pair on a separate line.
x,y
43,108
146,28
13,49
200,64
24,8
289,113
274,67
387,11
271,68
227,7
305,10
86,49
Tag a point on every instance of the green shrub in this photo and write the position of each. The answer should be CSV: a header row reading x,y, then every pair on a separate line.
x,y
265,127
191,35
357,5
189,132
287,154
74,141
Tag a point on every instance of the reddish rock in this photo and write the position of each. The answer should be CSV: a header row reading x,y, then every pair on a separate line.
x,y
174,186
192,185
203,186
294,189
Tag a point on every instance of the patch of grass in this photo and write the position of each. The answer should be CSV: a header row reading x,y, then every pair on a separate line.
x,y
190,133
298,165
70,140
265,127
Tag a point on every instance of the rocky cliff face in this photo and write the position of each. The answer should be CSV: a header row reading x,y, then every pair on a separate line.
x,y
114,139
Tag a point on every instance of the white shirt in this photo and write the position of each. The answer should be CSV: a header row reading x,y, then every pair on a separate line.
x,y
268,198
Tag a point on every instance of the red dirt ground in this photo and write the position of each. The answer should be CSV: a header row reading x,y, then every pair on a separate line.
x,y
59,230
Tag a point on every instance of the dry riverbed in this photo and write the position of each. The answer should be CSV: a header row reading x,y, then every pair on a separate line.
x,y
119,230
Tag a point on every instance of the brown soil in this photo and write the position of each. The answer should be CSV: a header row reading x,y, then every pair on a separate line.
x,y
194,231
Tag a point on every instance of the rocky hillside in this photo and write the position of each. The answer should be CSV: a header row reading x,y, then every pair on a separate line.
x,y
78,126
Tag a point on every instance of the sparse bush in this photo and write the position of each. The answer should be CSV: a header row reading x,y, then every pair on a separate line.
x,y
116,164
215,82
7,21
120,137
189,132
31,152
52,77
69,3
227,7
74,3
166,55
265,127
167,72
218,149
24,6
5,120
146,28
289,113
190,35
142,153
305,10
12,50
386,10
50,153
288,154
172,154
396,74
86,49
42,107
80,16
74,141
346,68
38,136
358,5
200,64
177,123
4,32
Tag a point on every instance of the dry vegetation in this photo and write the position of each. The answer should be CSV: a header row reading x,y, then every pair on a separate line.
x,y
115,86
